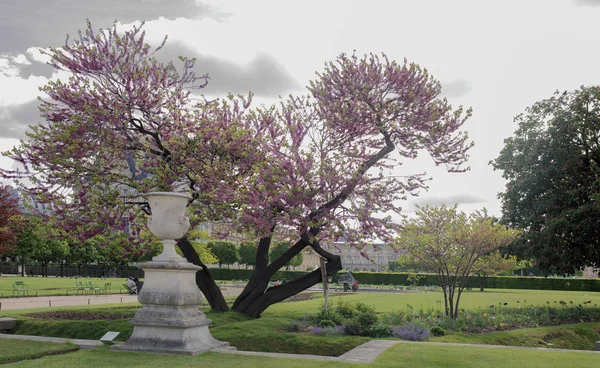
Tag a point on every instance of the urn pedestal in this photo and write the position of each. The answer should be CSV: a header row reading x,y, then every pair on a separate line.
x,y
170,321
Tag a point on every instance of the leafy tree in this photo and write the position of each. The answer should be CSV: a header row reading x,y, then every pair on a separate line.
x,y
449,243
83,253
314,166
491,264
28,239
552,168
225,252
279,249
247,253
9,220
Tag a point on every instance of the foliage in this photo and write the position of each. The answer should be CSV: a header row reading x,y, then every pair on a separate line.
x,y
225,252
279,249
552,168
9,219
247,253
437,331
411,331
493,263
448,243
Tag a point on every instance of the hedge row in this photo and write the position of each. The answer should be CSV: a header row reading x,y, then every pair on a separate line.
x,y
389,278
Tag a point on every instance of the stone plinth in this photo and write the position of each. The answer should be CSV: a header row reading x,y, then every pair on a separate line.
x,y
170,321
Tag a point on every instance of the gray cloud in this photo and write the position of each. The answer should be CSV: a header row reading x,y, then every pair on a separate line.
x,y
32,68
44,23
263,75
587,2
457,88
14,119
447,201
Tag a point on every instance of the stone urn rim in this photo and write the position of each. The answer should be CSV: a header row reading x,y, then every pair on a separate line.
x,y
167,194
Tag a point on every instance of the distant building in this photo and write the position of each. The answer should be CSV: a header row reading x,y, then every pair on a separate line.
x,y
590,273
380,255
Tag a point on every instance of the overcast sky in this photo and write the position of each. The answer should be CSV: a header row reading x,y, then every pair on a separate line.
x,y
496,57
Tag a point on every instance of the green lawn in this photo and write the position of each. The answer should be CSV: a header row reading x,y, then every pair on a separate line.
x,y
470,300
41,286
401,355
15,350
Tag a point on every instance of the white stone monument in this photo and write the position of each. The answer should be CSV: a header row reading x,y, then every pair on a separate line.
x,y
170,321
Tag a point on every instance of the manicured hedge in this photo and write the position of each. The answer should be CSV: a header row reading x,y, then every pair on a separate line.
x,y
242,274
394,278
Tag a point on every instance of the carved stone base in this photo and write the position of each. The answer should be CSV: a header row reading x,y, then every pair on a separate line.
x,y
170,321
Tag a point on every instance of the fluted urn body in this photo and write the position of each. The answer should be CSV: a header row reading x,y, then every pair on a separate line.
x,y
168,220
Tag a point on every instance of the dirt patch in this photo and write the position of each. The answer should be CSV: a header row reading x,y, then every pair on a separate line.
x,y
80,316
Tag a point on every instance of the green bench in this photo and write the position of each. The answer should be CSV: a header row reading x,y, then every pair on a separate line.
x,y
20,287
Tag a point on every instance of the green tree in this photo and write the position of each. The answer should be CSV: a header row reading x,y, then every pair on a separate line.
x,y
226,252
9,219
279,249
491,264
448,243
247,253
552,168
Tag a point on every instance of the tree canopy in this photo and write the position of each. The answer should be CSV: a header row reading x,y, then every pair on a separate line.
x,y
316,166
448,243
225,252
552,168
9,219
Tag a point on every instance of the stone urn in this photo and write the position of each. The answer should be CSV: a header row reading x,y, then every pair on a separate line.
x,y
168,221
169,320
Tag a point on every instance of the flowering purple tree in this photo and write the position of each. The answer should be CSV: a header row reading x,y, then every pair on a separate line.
x,y
314,167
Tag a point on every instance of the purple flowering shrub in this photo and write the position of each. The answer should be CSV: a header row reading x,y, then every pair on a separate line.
x,y
411,331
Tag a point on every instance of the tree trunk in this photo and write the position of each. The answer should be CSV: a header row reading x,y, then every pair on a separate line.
x,y
257,297
204,279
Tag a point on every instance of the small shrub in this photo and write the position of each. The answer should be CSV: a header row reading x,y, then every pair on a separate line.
x,y
345,309
352,328
380,330
327,314
437,331
393,318
294,326
362,307
327,323
411,331
336,330
366,320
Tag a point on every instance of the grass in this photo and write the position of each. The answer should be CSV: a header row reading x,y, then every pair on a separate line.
x,y
16,350
470,300
428,355
580,336
267,333
42,286
401,355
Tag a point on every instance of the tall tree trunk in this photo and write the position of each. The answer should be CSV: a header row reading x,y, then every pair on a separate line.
x,y
204,279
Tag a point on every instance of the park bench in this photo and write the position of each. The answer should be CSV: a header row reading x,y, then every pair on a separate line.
x,y
20,287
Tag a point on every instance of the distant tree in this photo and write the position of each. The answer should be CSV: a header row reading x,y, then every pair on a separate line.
x,y
28,239
282,247
9,220
225,252
491,264
448,243
552,168
247,253
83,253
